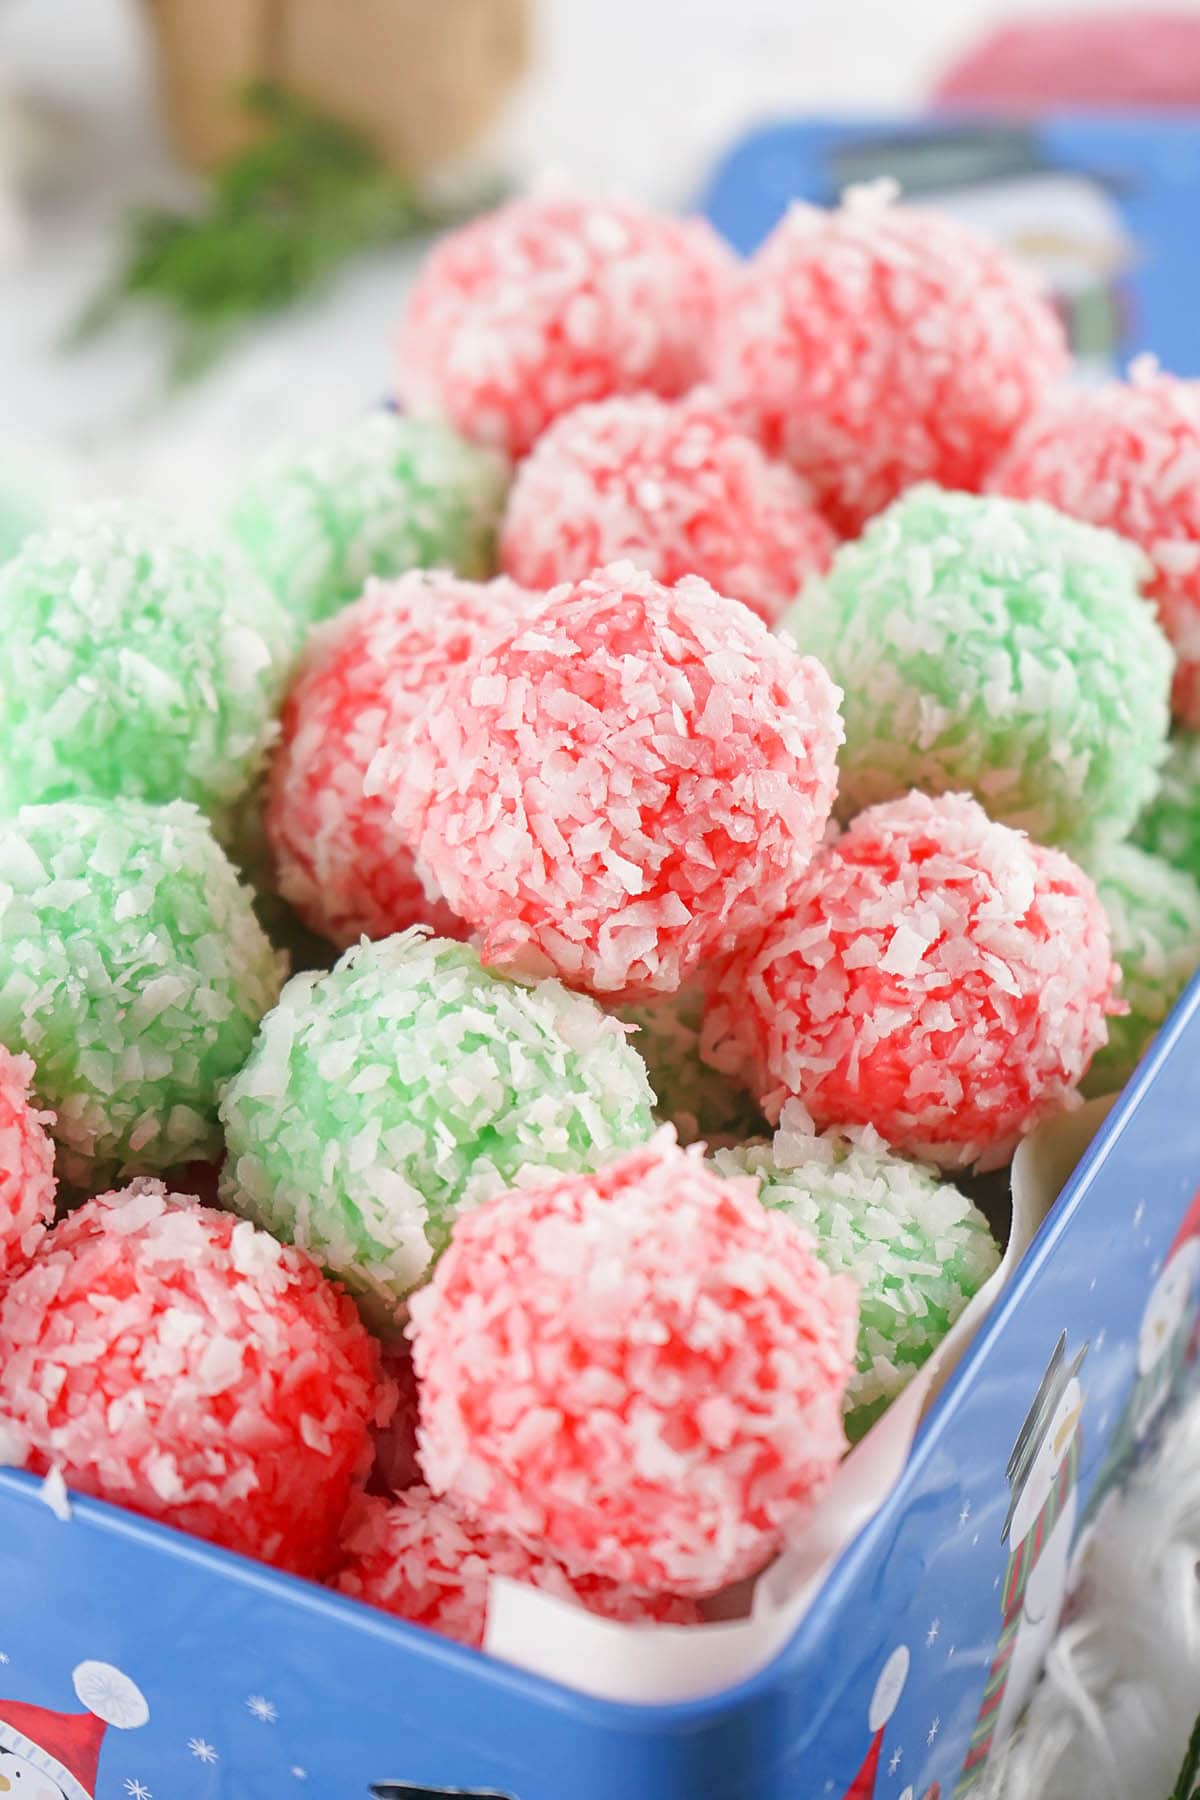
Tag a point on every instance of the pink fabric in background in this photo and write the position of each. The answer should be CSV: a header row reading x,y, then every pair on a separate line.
x,y
1129,57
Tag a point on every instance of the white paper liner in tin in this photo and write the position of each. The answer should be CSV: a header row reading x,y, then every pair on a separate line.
x,y
661,1664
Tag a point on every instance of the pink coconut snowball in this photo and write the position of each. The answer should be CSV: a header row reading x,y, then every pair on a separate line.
x,y
421,1559
625,784
552,300
1127,455
640,1370
937,976
339,859
174,1360
673,487
27,1184
876,345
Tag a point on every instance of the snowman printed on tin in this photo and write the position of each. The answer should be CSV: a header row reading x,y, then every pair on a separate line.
x,y
1166,1329
47,1755
21,1780
1165,1346
1043,1475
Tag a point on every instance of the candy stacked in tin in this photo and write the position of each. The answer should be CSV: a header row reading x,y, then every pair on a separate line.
x,y
514,955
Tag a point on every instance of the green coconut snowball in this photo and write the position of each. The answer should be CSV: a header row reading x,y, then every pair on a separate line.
x,y
134,973
384,495
137,659
917,1248
1170,825
700,1102
1154,917
407,1084
997,647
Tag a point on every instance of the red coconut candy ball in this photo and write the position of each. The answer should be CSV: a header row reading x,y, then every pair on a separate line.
x,y
174,1360
27,1184
624,784
420,1559
937,976
1127,455
673,487
641,1370
877,345
552,300
339,858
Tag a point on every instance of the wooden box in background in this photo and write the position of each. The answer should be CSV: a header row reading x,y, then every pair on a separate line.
x,y
422,79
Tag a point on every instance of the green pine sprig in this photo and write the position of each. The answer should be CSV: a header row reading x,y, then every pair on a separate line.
x,y
278,221
1188,1785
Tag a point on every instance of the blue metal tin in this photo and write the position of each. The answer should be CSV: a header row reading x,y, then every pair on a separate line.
x,y
259,1686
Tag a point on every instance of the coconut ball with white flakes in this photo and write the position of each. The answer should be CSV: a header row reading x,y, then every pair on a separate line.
x,y
138,658
999,647
1153,913
134,973
624,784
365,677
170,1358
379,497
407,1085
641,1370
935,975
916,1248
1170,825
26,1167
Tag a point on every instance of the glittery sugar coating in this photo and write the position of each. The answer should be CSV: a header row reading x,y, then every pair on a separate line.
x,y
138,659
420,1559
670,486
875,345
641,1370
379,497
553,300
1127,456
937,976
998,646
1153,912
382,1099
133,971
339,858
916,1248
27,1185
1170,825
623,785
169,1358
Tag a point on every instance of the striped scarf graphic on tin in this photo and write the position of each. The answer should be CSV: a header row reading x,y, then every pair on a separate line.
x,y
1012,1595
